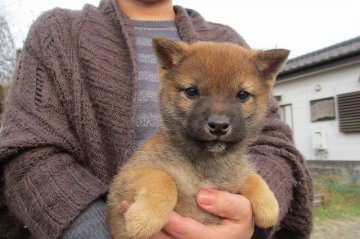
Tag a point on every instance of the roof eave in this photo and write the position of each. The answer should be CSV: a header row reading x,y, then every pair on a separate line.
x,y
319,67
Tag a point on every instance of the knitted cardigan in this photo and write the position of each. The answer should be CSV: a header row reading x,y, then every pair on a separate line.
x,y
69,122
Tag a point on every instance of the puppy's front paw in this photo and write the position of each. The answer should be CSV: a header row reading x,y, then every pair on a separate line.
x,y
143,221
266,213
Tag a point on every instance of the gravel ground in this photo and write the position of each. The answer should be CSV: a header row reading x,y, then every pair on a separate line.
x,y
336,229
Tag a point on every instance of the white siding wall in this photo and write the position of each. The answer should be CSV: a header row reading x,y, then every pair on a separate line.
x,y
300,92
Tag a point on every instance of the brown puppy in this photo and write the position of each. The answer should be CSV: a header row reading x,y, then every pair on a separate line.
x,y
213,99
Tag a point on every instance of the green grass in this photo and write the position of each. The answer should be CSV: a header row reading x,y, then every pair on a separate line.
x,y
342,198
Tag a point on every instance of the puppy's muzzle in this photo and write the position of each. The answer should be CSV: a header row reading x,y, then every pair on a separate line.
x,y
218,125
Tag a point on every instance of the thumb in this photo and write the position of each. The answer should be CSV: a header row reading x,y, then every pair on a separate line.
x,y
224,204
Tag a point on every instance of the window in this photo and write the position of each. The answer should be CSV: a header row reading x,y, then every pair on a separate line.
x,y
286,114
349,112
322,109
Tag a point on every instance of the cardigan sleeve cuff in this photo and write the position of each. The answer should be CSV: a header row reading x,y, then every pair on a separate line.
x,y
50,199
261,233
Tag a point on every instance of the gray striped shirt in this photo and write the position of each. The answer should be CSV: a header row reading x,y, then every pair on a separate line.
x,y
147,113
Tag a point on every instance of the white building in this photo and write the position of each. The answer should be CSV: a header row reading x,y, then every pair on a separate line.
x,y
319,95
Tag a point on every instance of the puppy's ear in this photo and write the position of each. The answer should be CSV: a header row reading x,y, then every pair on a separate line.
x,y
269,63
168,52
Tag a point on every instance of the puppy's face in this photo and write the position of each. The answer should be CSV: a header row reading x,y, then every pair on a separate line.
x,y
215,94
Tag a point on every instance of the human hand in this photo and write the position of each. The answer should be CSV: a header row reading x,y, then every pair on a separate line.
x,y
234,208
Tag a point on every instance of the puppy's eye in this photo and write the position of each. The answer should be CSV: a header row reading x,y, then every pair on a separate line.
x,y
191,92
243,96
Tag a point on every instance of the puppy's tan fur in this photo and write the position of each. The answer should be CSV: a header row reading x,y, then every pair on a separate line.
x,y
185,155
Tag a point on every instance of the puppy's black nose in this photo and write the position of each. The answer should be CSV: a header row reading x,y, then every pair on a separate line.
x,y
218,125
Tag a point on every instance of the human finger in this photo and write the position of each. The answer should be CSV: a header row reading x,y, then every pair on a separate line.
x,y
225,204
183,227
162,235
186,228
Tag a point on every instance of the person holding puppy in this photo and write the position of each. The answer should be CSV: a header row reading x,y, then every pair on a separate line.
x,y
83,99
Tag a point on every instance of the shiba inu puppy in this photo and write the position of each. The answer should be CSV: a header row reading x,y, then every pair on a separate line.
x,y
213,100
